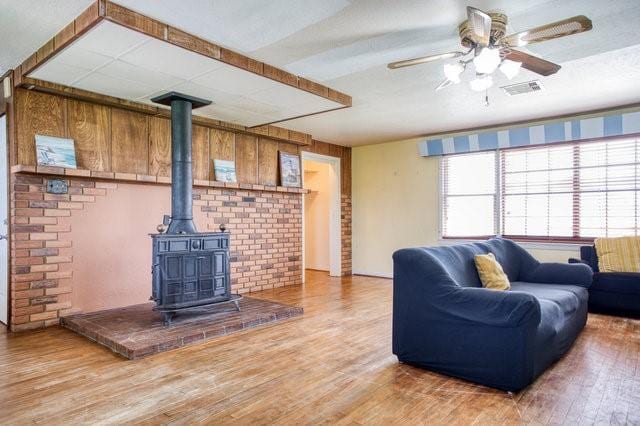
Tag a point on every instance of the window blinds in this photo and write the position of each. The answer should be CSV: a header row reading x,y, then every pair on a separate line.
x,y
469,194
575,191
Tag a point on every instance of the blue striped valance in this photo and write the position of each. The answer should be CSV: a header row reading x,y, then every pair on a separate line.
x,y
551,132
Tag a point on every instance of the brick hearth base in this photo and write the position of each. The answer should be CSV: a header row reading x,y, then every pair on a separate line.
x,y
137,331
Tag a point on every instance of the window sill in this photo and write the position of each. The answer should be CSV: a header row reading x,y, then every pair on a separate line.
x,y
526,244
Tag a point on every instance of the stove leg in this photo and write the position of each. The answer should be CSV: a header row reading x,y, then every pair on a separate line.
x,y
167,317
237,303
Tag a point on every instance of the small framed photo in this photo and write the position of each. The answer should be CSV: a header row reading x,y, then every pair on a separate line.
x,y
58,152
225,170
290,175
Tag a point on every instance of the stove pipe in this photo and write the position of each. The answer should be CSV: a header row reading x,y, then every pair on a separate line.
x,y
181,171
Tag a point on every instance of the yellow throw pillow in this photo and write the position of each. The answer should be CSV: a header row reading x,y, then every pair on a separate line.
x,y
620,254
491,273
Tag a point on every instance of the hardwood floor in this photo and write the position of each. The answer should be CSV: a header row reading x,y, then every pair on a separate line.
x,y
332,365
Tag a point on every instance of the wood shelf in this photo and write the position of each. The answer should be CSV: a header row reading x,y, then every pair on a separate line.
x,y
145,179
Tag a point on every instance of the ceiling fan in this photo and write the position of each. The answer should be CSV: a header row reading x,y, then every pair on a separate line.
x,y
487,47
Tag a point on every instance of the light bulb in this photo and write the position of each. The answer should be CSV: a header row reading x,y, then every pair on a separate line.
x,y
453,71
481,83
510,68
487,61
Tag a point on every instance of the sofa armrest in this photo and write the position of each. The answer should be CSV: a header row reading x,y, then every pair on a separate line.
x,y
589,256
493,308
578,274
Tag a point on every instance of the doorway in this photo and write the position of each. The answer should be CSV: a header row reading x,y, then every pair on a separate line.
x,y
321,245
4,212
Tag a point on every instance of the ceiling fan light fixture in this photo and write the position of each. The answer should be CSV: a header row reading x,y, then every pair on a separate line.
x,y
510,68
453,71
479,84
487,61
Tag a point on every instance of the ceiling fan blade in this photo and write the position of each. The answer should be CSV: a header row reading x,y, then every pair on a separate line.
x,y
574,25
533,63
480,25
422,60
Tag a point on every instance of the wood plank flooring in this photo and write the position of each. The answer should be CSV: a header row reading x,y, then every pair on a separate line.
x,y
332,365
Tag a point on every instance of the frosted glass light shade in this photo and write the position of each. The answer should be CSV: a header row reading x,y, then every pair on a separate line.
x,y
453,71
487,61
481,83
510,68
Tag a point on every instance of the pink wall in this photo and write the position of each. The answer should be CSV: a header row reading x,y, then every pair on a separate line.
x,y
112,248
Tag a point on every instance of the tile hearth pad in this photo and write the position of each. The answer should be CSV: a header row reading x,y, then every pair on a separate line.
x,y
137,331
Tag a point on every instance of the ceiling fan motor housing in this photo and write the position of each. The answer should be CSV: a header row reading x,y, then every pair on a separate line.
x,y
498,29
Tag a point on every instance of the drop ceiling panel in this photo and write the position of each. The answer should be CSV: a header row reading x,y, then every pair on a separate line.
x,y
217,96
293,98
82,58
118,69
61,73
156,55
113,86
227,77
109,40
116,61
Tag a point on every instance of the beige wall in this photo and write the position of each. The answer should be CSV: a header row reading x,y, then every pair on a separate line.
x,y
395,205
316,215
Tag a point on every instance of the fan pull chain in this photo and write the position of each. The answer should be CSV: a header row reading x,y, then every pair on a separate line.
x,y
486,98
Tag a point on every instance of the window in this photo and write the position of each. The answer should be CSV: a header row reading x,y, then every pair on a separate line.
x,y
537,192
564,192
469,194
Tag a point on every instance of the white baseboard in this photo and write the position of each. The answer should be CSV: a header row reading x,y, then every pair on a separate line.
x,y
372,274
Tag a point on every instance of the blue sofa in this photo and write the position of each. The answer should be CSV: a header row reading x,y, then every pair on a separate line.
x,y
443,319
616,293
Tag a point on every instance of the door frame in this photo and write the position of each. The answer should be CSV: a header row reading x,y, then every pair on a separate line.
x,y
335,225
7,210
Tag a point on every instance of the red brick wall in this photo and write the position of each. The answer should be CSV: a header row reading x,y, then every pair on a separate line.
x,y
346,233
41,257
266,234
265,226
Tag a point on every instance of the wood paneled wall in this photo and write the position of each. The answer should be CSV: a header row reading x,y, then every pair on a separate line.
x,y
111,139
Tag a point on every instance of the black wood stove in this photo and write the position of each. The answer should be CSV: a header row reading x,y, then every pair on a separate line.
x,y
190,268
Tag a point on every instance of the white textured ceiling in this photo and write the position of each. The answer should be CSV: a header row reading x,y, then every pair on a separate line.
x,y
345,44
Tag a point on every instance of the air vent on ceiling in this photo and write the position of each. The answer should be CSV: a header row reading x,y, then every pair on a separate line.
x,y
520,88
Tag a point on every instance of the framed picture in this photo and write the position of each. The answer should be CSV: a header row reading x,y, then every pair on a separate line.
x,y
225,170
290,170
58,152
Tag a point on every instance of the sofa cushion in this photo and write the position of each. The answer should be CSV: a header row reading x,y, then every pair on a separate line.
x,y
621,254
566,297
563,314
458,262
617,282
